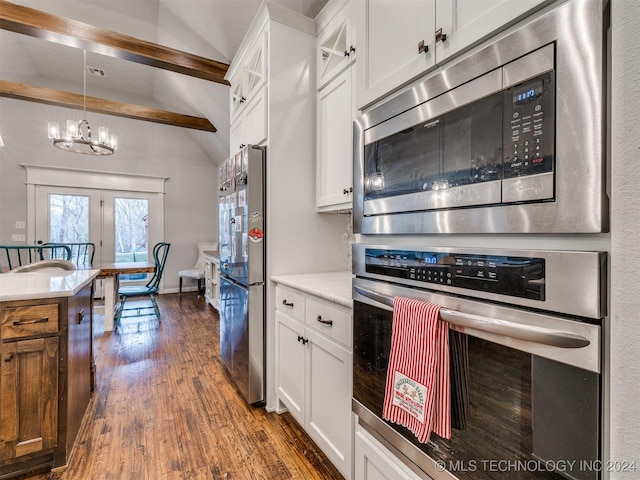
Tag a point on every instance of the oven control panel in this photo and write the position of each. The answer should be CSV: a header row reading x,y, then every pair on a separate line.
x,y
506,275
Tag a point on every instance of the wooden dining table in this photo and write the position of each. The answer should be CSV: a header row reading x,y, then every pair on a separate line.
x,y
109,273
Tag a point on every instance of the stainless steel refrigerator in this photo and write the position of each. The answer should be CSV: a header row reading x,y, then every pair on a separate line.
x,y
242,270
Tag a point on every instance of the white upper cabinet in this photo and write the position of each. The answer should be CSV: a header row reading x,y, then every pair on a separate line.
x,y
336,42
464,22
402,39
336,54
334,143
396,44
248,79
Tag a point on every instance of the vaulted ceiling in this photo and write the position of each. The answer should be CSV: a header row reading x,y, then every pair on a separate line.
x,y
212,29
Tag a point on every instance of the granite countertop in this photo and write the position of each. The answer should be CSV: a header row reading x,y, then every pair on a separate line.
x,y
43,284
332,286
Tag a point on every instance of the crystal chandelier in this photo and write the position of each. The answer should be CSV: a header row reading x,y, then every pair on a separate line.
x,y
77,138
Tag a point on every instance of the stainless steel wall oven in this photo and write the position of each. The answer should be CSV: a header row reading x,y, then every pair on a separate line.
x,y
507,140
526,330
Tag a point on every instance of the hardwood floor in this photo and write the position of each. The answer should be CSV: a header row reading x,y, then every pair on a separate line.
x,y
165,408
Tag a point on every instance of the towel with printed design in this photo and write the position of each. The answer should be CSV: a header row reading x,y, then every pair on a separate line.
x,y
417,392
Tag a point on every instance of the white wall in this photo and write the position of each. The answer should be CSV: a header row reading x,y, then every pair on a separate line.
x,y
191,212
624,327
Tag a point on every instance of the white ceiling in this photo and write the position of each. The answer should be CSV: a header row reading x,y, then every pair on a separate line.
x,y
211,28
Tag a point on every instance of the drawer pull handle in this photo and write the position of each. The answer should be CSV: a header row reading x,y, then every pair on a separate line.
x,y
287,304
30,322
326,322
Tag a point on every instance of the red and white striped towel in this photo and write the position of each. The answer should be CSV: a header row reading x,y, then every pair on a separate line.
x,y
417,393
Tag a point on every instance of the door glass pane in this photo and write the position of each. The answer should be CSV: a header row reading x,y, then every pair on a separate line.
x,y
131,217
68,218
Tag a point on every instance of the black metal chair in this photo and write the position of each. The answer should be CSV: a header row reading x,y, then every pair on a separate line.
x,y
18,255
160,252
82,253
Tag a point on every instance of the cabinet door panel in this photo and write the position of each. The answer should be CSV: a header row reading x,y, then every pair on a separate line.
x,y
467,21
291,365
237,136
336,48
256,118
374,462
329,399
335,142
29,397
391,31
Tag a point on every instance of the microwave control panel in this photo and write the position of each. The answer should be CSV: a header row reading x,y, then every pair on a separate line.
x,y
529,127
507,275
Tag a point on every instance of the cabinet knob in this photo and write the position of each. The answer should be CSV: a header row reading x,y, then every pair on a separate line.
x,y
287,304
422,48
242,99
440,37
7,358
80,316
350,51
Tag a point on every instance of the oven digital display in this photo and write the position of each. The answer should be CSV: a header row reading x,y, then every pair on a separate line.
x,y
506,275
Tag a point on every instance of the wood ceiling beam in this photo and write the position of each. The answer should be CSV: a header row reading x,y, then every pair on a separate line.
x,y
59,98
39,24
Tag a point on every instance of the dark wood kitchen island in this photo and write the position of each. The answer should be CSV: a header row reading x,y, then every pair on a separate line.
x,y
46,372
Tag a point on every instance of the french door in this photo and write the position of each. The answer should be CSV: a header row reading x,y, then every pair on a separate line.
x,y
69,215
124,226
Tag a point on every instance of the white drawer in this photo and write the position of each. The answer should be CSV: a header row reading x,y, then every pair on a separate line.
x,y
291,302
329,319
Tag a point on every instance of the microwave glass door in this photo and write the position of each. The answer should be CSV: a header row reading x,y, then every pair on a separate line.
x,y
460,148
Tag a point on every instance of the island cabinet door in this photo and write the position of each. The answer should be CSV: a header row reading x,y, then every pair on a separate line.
x,y
28,397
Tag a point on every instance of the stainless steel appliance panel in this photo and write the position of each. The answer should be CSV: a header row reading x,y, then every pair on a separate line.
x,y
574,280
242,336
242,270
526,384
572,199
499,324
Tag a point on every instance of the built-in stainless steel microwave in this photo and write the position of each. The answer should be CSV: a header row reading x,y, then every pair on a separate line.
x,y
510,139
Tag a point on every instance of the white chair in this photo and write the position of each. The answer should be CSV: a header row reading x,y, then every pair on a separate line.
x,y
197,271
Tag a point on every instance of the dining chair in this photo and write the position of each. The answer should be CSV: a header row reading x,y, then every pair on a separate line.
x,y
18,255
160,251
82,253
197,271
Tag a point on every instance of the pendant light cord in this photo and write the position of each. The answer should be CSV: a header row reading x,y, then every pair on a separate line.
x,y
84,86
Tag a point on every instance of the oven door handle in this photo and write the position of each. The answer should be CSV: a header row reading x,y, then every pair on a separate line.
x,y
531,333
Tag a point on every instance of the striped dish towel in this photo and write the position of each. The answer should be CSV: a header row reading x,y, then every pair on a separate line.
x,y
417,392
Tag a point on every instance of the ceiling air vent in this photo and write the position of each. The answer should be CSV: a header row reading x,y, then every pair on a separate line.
x,y
96,71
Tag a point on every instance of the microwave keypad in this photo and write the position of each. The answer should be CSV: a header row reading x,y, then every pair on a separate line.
x,y
529,127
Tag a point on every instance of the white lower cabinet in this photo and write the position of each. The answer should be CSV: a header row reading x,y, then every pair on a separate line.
x,y
314,370
374,462
212,280
291,364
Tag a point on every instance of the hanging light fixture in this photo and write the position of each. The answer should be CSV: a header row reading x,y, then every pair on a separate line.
x,y
78,137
